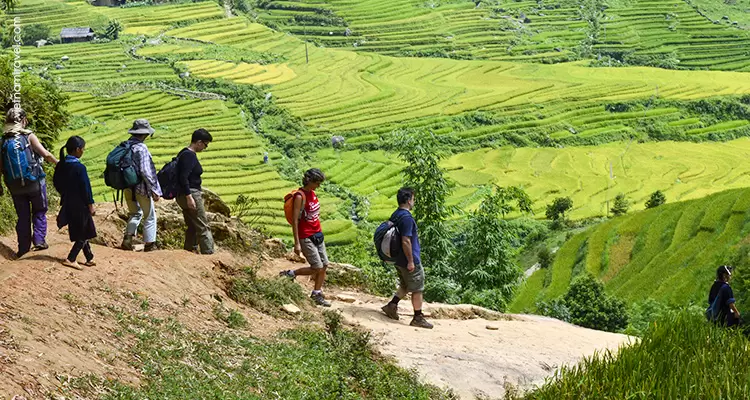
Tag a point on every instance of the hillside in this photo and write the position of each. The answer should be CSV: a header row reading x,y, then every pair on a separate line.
x,y
63,331
669,253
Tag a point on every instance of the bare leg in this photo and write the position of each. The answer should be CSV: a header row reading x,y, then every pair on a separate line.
x,y
416,300
320,277
305,271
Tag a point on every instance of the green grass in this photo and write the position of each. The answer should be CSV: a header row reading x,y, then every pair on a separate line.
x,y
668,253
680,357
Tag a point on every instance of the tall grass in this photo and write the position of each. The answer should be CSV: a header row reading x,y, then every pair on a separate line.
x,y
679,357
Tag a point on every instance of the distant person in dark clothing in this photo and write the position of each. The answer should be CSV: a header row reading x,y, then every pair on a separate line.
x,y
721,292
408,261
190,197
77,203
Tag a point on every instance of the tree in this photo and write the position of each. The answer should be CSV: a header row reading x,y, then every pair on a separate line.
x,y
421,152
621,205
8,5
591,308
33,32
558,208
657,198
113,29
487,257
42,100
545,257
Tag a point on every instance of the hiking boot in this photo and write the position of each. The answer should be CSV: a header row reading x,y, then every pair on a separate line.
x,y
287,273
127,242
320,300
391,310
41,246
150,247
420,322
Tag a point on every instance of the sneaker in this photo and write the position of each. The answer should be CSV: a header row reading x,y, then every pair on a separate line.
x,y
288,273
320,300
391,310
127,243
72,264
41,246
420,322
150,247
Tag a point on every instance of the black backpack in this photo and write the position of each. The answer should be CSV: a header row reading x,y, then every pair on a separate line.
x,y
387,239
168,178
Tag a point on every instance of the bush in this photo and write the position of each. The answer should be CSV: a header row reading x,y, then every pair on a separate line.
x,y
545,257
265,295
657,198
113,29
33,32
621,205
557,209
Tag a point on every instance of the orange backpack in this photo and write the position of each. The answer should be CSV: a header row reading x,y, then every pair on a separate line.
x,y
289,206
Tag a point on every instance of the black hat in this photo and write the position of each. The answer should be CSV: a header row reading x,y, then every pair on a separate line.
x,y
724,269
141,127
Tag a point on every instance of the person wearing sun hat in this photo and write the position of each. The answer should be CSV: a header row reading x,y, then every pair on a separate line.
x,y
721,299
147,191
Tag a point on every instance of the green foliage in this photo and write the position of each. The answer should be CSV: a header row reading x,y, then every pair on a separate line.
x,y
33,32
379,279
557,209
264,294
679,357
545,257
243,205
585,304
656,199
231,317
421,152
7,213
621,205
177,363
43,101
486,257
113,29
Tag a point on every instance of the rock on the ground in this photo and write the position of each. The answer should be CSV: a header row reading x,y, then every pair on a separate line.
x,y
215,204
345,298
274,247
291,309
491,327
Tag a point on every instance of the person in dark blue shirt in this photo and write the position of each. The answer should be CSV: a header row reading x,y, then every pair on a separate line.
x,y
728,314
408,261
77,203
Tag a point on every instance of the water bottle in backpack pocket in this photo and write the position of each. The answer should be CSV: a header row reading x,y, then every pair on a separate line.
x,y
121,172
20,164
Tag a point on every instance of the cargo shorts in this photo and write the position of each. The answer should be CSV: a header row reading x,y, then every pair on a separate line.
x,y
315,255
412,282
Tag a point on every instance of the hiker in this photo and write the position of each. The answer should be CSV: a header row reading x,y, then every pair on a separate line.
x,y
190,197
22,154
147,190
408,261
77,202
308,235
726,312
265,158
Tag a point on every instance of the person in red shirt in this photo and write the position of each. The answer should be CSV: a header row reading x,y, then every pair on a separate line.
x,y
308,235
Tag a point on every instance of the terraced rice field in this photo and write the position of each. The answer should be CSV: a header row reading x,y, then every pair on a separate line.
x,y
551,31
341,91
233,164
669,253
58,14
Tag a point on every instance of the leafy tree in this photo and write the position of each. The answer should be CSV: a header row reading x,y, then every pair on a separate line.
x,y
42,100
113,29
8,5
421,152
591,308
558,208
621,205
657,198
33,32
545,257
487,255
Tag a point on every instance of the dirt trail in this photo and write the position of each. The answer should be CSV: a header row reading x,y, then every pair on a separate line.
x,y
54,324
474,351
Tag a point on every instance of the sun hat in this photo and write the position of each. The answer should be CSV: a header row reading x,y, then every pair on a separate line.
x,y
141,127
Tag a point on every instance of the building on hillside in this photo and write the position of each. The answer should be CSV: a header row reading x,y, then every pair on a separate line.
x,y
78,34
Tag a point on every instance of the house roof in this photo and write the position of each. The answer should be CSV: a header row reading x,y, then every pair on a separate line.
x,y
78,32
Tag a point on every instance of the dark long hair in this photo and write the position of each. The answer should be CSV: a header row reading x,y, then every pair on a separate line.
x,y
313,175
73,143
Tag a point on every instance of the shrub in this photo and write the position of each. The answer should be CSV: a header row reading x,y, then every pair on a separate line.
x,y
621,205
545,257
33,32
656,199
265,295
558,208
113,29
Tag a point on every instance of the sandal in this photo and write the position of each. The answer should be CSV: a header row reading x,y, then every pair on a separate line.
x,y
72,264
90,263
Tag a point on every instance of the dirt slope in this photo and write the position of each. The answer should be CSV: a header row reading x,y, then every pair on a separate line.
x,y
52,325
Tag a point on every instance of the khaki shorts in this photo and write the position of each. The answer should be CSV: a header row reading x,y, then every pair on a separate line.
x,y
314,254
412,282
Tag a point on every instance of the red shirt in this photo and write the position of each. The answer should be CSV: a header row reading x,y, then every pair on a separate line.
x,y
309,223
